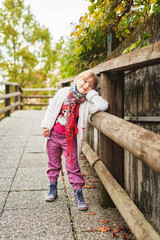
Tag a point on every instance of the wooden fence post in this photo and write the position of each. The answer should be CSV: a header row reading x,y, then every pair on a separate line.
x,y
21,98
7,100
112,155
16,88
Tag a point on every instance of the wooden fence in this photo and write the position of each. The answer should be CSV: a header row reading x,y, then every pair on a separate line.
x,y
14,98
116,134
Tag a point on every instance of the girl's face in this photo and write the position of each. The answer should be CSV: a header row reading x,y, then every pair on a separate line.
x,y
85,84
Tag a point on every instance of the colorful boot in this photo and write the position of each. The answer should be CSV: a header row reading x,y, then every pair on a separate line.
x,y
79,200
52,192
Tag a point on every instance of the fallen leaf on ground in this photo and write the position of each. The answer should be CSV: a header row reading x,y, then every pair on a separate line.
x,y
94,230
96,176
88,186
109,208
115,235
125,234
92,213
123,228
104,229
116,230
104,221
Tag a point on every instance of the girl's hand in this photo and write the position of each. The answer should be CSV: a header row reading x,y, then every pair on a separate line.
x,y
45,132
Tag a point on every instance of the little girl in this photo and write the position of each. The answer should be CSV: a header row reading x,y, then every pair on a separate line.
x,y
64,127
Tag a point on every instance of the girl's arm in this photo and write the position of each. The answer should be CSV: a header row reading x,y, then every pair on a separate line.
x,y
97,102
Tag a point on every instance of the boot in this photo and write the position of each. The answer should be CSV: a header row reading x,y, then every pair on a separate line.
x,y
79,200
52,195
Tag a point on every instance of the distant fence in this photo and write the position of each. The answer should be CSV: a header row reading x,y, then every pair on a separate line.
x,y
14,97
116,134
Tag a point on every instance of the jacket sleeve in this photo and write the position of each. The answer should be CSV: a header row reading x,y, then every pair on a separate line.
x,y
97,103
50,111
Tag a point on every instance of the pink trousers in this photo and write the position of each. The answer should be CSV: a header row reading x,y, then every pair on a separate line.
x,y
56,146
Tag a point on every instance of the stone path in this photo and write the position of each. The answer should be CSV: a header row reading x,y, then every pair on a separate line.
x,y
24,185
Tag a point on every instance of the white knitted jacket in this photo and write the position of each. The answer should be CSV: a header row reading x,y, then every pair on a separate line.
x,y
93,103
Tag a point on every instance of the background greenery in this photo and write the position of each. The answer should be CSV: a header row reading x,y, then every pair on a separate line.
x,y
30,57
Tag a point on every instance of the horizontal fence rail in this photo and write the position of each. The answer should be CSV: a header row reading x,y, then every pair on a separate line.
x,y
35,96
114,126
13,99
131,214
142,143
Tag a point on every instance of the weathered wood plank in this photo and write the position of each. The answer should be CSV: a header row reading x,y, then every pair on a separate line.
x,y
35,104
131,214
9,83
38,96
39,89
9,95
142,143
6,109
111,154
143,118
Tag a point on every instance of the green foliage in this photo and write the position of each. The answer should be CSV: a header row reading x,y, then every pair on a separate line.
x,y
26,52
139,44
66,58
120,18
156,7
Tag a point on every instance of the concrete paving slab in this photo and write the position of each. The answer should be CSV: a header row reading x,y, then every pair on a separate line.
x,y
36,199
34,160
36,129
94,236
11,151
91,219
7,173
32,179
35,224
9,161
3,196
5,184
12,144
6,123
35,149
15,138
35,140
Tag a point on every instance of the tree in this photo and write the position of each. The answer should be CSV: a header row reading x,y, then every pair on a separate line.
x,y
104,17
26,54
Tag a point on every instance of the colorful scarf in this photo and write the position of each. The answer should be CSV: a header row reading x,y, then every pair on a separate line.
x,y
75,99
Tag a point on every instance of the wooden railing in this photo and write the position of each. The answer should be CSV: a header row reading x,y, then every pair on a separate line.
x,y
35,96
14,98
143,144
116,134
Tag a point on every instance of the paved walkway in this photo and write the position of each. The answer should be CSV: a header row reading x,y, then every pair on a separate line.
x,y
24,185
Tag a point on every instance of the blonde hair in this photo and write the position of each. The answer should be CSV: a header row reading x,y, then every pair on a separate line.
x,y
87,74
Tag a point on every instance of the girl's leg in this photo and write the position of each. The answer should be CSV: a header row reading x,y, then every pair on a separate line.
x,y
75,176
74,173
54,157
